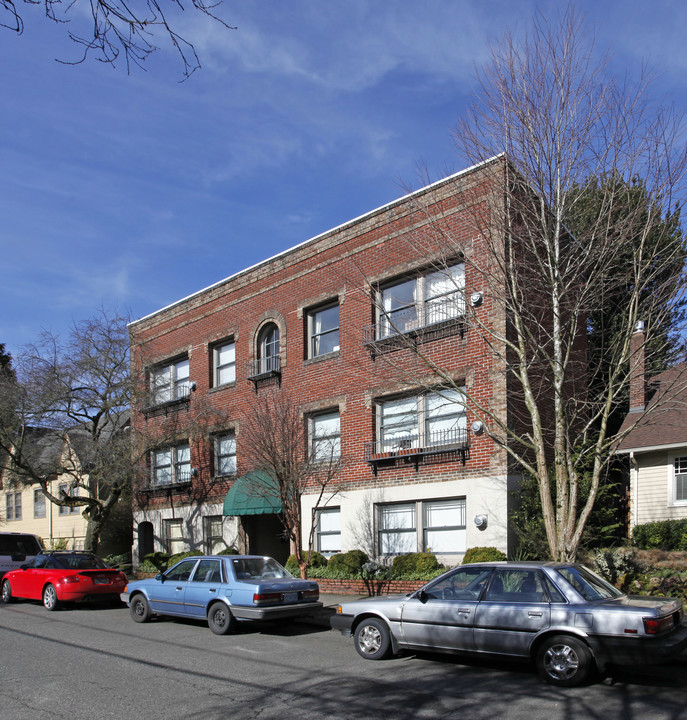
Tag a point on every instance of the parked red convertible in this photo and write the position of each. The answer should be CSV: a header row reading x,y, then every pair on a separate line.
x,y
63,577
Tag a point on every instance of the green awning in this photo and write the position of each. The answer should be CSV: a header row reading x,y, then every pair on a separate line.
x,y
254,493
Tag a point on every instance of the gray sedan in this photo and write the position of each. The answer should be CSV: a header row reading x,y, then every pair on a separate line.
x,y
570,621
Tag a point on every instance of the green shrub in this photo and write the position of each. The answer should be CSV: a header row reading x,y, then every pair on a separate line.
x,y
117,560
423,562
351,561
483,554
661,535
181,556
157,561
317,560
617,564
228,551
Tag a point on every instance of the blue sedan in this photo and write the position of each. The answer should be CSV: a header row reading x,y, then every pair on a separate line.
x,y
223,589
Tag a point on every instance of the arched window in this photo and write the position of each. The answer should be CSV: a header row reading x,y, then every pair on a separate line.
x,y
268,349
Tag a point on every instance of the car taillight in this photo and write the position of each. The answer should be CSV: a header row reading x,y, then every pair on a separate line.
x,y
260,598
310,594
653,626
70,579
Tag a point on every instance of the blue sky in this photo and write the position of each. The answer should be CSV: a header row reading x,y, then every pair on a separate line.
x,y
133,191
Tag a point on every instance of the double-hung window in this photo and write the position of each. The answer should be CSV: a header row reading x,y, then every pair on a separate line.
x,y
66,491
13,506
214,538
269,359
323,331
171,465
170,382
329,531
436,526
325,436
224,359
174,539
427,420
225,454
680,468
427,299
38,504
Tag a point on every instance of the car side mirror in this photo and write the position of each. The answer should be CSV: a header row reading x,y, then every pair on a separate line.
x,y
24,566
421,596
160,577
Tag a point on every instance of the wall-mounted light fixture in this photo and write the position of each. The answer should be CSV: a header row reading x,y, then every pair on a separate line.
x,y
476,299
477,427
194,472
481,521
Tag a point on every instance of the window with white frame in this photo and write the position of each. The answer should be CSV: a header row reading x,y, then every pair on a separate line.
x,y
224,363
427,299
38,504
170,382
214,538
225,454
323,331
325,436
66,491
174,536
397,529
430,419
171,465
13,506
269,359
329,531
680,469
436,526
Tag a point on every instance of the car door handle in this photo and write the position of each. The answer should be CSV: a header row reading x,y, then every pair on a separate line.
x,y
534,613
464,610
212,589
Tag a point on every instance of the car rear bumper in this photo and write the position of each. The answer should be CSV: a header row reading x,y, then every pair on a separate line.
x,y
642,650
245,612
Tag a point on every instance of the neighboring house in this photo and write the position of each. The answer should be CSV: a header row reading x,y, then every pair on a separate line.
x,y
25,508
320,321
656,441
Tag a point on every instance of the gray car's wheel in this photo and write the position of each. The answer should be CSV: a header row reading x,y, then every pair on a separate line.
x,y
50,601
139,608
6,592
372,639
220,620
565,661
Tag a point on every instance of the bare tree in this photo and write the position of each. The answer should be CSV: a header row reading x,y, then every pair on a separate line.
x,y
66,416
276,443
120,28
560,121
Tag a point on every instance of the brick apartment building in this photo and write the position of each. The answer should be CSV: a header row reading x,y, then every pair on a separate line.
x,y
328,322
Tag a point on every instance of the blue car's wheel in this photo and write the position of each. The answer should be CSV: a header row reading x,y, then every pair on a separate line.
x,y
139,608
220,620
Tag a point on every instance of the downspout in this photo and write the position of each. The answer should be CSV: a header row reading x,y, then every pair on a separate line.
x,y
634,489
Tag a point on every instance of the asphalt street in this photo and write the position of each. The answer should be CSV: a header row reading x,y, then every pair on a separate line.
x,y
85,662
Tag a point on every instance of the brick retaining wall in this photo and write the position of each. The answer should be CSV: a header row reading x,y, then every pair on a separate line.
x,y
368,587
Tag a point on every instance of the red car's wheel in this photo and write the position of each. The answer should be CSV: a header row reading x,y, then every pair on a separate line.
x,y
50,601
6,592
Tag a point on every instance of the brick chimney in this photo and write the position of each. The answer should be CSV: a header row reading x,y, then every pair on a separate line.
x,y
637,369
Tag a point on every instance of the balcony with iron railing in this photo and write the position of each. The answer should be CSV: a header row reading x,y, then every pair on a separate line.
x,y
413,449
164,401
394,331
181,479
265,370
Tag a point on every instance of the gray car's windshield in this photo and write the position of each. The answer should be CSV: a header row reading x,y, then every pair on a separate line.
x,y
588,584
258,568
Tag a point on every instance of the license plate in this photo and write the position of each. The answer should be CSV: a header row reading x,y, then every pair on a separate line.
x,y
290,597
101,581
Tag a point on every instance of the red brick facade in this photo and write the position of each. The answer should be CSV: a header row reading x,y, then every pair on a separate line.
x,y
341,267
